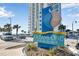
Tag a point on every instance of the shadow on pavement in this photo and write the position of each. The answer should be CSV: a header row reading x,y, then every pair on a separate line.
x,y
17,46
18,40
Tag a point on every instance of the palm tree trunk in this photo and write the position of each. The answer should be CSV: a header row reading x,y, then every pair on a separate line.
x,y
17,32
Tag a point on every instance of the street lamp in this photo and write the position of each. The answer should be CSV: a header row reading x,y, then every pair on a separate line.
x,y
73,30
73,26
10,24
10,20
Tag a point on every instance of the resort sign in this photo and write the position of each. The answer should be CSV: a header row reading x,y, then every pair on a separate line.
x,y
50,19
49,39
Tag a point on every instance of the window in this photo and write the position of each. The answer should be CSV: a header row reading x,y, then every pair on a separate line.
x,y
40,20
40,16
40,12
40,24
40,29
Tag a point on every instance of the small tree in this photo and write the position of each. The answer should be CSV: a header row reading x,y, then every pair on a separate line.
x,y
23,31
62,28
7,27
0,29
67,32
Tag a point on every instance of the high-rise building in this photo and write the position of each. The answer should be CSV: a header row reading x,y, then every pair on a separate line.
x,y
36,16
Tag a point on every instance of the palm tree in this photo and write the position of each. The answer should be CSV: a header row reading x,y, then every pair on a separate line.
x,y
0,29
7,27
62,28
16,27
23,31
28,31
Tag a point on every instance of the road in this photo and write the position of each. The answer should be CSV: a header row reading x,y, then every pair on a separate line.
x,y
11,48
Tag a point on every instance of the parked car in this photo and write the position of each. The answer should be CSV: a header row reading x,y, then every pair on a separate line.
x,y
7,36
22,36
77,46
73,37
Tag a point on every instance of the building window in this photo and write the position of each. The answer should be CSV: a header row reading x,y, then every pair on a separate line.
x,y
40,20
33,17
40,29
40,24
40,16
40,12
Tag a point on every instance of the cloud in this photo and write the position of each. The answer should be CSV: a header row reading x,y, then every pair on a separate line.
x,y
69,5
73,15
72,9
5,13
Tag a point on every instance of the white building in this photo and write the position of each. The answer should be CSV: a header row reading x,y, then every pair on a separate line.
x,y
35,15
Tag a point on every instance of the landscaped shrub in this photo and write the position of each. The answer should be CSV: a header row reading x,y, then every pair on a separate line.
x,y
31,46
51,52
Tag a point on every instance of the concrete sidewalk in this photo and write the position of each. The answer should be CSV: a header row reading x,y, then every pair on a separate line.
x,y
10,52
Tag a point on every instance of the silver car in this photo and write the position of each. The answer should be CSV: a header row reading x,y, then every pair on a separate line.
x,y
7,36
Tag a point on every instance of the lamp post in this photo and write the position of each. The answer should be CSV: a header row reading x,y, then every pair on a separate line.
x,y
73,30
73,26
10,24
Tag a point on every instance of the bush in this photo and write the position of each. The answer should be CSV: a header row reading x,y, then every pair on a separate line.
x,y
51,52
31,46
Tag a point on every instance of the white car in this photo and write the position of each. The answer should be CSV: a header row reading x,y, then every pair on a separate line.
x,y
7,36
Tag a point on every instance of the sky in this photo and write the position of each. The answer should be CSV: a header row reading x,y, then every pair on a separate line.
x,y
70,14
19,13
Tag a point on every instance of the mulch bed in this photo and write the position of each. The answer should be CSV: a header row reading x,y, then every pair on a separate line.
x,y
60,51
